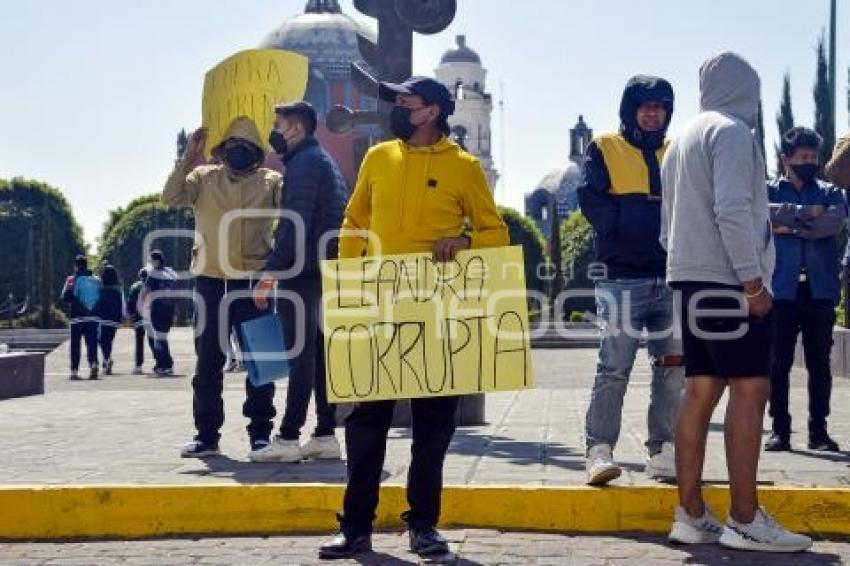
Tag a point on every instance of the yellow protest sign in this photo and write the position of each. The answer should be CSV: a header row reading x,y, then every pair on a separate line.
x,y
406,326
250,83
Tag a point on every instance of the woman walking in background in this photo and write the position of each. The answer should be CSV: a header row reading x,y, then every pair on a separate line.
x,y
110,310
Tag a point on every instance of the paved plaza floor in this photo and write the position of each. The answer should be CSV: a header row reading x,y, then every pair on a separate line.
x,y
127,429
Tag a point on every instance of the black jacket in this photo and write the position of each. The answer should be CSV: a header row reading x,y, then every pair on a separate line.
x,y
110,306
314,189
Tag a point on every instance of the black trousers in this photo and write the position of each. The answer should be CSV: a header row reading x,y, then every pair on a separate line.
x,y
140,333
307,368
161,321
83,330
208,382
366,431
106,336
815,320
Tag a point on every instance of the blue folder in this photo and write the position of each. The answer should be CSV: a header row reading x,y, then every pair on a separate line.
x,y
263,349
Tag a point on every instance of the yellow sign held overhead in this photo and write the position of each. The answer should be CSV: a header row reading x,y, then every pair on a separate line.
x,y
250,83
406,326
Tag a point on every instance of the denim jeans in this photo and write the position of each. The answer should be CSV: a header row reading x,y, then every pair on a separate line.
x,y
625,308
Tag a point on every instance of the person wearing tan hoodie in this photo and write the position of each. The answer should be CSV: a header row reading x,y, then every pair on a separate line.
x,y
215,192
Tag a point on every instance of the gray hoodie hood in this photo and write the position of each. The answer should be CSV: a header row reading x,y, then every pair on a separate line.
x,y
729,84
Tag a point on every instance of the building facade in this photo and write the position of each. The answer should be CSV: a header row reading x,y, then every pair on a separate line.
x,y
328,38
556,196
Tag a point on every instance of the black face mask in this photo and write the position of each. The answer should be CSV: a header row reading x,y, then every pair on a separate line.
x,y
278,143
240,158
400,124
806,171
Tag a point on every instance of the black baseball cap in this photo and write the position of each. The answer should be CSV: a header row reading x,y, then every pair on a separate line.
x,y
431,91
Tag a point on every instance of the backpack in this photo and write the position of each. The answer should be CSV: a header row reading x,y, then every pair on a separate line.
x,y
87,291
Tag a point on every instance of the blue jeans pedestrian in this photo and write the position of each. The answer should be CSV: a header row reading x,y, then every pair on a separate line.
x,y
625,308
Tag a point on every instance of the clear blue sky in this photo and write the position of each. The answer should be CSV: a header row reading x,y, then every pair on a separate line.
x,y
94,91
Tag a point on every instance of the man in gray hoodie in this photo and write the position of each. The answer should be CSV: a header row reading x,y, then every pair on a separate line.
x,y
720,259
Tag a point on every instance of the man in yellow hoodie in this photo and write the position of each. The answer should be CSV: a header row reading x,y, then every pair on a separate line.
x,y
215,192
420,192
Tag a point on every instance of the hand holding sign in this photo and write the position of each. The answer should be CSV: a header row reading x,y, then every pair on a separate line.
x,y
196,145
447,248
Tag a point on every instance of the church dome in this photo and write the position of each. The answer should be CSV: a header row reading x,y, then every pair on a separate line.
x,y
561,179
326,36
462,54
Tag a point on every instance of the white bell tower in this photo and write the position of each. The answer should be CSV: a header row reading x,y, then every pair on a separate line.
x,y
461,72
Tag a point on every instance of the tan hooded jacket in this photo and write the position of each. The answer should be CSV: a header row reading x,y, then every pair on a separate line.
x,y
215,194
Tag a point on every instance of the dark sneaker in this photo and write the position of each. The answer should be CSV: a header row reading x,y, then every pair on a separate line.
x,y
778,443
164,372
823,443
75,375
345,546
198,449
426,542
107,367
93,372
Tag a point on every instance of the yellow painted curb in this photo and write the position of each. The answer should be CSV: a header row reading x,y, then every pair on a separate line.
x,y
59,512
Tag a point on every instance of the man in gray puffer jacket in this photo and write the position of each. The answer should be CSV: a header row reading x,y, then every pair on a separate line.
x,y
720,259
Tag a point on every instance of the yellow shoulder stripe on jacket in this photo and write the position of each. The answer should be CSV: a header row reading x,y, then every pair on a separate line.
x,y
627,168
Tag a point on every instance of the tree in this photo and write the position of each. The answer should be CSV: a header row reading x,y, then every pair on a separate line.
x,y
784,119
40,240
524,232
577,252
122,242
182,143
824,107
760,135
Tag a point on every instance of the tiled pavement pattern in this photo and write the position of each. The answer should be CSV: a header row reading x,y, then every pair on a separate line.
x,y
470,547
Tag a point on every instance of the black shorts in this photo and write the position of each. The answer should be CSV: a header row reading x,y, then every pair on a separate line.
x,y
722,344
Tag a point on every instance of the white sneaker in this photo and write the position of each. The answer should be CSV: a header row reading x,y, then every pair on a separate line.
x,y
687,530
322,448
601,468
279,450
662,466
762,535
138,370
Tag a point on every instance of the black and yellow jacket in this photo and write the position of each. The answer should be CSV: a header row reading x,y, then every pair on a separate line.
x,y
621,192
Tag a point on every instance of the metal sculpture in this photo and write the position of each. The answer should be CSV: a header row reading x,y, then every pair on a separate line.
x,y
391,58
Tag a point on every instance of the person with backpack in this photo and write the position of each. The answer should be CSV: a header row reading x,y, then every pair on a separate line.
x,y
82,291
134,314
110,313
160,279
